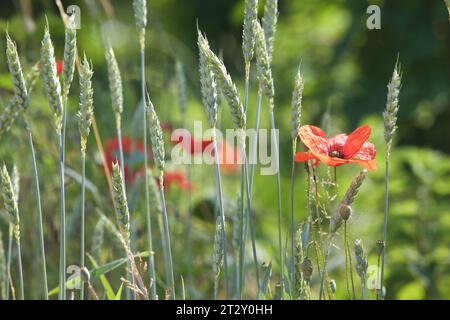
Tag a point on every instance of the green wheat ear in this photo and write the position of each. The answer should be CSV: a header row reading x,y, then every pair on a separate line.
x,y
10,200
296,106
86,108
70,48
226,86
263,64
156,135
208,84
248,34
50,79
120,202
15,69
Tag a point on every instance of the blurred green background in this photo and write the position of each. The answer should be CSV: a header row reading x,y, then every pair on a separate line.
x,y
346,69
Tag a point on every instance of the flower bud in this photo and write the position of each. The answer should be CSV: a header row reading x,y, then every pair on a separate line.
x,y
345,212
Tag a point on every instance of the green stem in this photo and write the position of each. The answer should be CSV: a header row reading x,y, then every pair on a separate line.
x,y
255,145
351,268
250,221
151,260
40,223
62,235
167,239
275,143
83,191
242,232
8,261
347,280
294,143
222,218
386,210
19,258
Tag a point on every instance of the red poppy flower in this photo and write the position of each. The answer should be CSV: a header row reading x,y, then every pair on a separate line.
x,y
176,178
193,146
133,152
338,150
59,66
229,157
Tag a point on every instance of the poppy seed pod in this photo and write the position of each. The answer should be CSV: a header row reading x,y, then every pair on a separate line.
x,y
345,212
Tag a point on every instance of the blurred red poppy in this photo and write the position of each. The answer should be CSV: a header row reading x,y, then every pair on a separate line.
x,y
133,153
176,178
338,150
59,66
229,157
193,146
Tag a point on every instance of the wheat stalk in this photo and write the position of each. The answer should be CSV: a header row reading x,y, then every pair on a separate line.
x,y
226,86
248,35
70,47
390,126
361,264
52,86
20,105
116,91
263,65
218,256
269,23
85,115
296,115
140,17
157,141
11,206
12,110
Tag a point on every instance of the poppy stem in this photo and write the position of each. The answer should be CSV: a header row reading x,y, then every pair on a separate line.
x,y
222,218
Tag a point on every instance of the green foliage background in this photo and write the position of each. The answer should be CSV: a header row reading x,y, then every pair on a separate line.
x,y
346,69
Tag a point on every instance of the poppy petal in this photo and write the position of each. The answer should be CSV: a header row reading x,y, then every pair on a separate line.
x,y
355,141
302,156
367,152
314,139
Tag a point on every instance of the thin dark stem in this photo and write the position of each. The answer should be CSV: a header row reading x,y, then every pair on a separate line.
x,y
222,218
83,191
386,210
19,258
151,260
40,223
167,238
280,244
